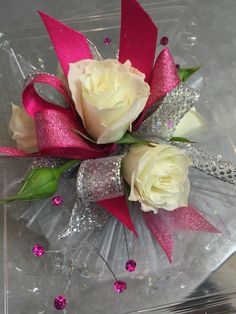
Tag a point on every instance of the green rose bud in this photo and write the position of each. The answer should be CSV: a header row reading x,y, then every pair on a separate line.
x,y
40,183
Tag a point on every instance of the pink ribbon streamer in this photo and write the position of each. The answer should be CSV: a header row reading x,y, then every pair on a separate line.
x,y
70,46
163,224
118,207
138,37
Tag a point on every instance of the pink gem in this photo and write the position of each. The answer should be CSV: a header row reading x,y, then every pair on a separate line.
x,y
60,302
57,200
38,250
164,40
130,265
120,286
169,124
107,40
177,66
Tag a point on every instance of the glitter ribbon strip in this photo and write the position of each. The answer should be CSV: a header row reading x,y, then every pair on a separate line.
x,y
163,225
99,186
170,111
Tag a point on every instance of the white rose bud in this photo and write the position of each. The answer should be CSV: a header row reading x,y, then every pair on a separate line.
x,y
23,129
158,176
191,123
108,96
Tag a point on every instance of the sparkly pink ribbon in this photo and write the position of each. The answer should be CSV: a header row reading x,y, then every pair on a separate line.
x,y
70,46
55,125
164,78
164,223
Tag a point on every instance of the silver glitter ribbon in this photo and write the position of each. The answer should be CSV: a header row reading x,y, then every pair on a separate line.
x,y
162,123
225,171
170,111
97,179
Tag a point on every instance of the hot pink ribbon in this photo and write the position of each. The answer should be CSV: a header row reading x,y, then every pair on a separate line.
x,y
163,224
55,125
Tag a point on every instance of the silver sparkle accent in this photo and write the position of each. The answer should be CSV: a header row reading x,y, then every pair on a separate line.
x,y
211,165
49,162
97,179
85,216
172,108
100,179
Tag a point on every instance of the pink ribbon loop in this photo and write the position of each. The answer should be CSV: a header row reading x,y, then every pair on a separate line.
x,y
163,224
164,78
55,125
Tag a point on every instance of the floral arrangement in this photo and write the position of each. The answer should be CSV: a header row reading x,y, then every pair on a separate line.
x,y
125,125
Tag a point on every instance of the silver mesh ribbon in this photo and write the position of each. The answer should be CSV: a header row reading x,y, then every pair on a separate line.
x,y
162,123
173,107
209,164
100,179
97,179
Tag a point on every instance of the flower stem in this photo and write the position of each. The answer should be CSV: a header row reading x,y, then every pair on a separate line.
x,y
67,166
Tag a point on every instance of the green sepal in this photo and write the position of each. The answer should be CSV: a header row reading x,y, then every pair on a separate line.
x,y
185,73
130,139
40,183
180,139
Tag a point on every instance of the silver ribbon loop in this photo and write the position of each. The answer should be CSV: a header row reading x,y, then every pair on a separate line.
x,y
174,106
100,179
97,179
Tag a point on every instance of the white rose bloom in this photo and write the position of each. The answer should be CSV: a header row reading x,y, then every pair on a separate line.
x,y
108,96
158,176
23,129
191,123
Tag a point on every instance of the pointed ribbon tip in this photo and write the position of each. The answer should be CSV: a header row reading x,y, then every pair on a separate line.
x,y
164,78
118,207
70,46
163,225
138,37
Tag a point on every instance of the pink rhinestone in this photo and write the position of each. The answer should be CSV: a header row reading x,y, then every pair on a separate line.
x,y
130,265
57,200
60,302
38,250
164,40
120,286
107,40
169,124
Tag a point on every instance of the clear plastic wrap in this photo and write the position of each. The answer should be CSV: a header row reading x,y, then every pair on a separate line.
x,y
30,283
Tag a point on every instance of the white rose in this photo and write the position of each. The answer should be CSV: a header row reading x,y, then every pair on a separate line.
x,y
158,176
23,128
108,96
191,123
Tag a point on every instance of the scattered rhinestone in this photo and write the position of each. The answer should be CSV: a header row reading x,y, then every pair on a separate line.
x,y
38,250
164,41
107,41
60,302
57,200
120,286
130,265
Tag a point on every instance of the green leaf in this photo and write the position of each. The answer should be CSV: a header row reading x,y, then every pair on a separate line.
x,y
185,73
40,183
129,139
180,139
